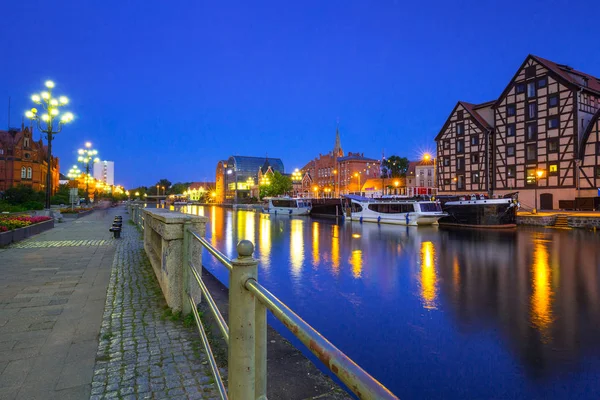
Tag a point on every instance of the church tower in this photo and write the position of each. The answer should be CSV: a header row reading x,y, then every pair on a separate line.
x,y
337,150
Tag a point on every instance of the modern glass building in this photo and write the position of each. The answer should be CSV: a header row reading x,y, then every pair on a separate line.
x,y
240,174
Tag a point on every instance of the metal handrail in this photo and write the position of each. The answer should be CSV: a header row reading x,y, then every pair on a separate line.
x,y
353,376
212,250
357,379
211,303
211,358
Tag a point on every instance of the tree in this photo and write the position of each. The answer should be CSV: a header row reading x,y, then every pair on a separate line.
x,y
178,188
394,167
278,185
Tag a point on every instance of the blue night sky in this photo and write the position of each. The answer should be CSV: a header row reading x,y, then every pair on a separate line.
x,y
168,88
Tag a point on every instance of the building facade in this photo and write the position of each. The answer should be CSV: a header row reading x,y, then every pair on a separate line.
x,y
23,161
238,175
420,179
104,171
540,139
337,173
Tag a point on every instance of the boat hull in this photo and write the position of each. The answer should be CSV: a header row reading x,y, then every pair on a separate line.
x,y
286,211
412,220
480,215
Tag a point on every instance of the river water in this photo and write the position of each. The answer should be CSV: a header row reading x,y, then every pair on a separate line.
x,y
434,313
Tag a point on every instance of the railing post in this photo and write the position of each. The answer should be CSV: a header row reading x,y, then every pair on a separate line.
x,y
185,252
241,356
260,363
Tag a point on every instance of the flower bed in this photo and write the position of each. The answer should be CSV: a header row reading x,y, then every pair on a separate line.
x,y
13,229
74,211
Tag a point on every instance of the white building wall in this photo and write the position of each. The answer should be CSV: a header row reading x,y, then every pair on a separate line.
x,y
105,171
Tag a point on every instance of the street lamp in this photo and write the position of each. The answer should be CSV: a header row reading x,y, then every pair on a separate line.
x,y
74,172
538,175
427,157
315,189
49,126
87,155
137,194
296,177
334,183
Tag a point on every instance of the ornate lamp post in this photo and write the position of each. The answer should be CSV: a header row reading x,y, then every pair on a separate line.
x,y
86,156
296,178
74,172
47,123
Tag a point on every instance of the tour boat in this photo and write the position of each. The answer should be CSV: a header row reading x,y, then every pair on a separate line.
x,y
479,211
392,211
286,206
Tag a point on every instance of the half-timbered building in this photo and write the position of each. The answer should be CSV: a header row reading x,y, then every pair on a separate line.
x,y
464,148
539,138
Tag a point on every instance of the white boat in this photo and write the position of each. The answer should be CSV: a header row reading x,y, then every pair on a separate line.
x,y
286,206
392,211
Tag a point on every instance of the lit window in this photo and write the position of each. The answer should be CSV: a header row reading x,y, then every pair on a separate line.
x,y
553,170
530,176
23,173
29,173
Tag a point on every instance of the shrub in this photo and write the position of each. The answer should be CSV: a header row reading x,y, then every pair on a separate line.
x,y
33,205
7,207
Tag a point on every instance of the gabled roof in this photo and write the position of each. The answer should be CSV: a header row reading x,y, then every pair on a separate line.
x,y
565,72
472,110
561,72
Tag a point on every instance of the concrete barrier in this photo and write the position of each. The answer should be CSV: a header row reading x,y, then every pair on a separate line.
x,y
163,243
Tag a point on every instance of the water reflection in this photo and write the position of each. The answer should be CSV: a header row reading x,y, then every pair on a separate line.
x,y
483,314
428,275
297,246
541,297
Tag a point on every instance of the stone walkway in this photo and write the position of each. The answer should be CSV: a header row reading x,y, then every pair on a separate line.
x,y
52,295
144,351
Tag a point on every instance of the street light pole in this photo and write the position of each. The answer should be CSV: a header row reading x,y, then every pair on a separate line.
x,y
539,173
51,106
85,157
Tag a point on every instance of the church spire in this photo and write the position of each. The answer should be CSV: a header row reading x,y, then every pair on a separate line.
x,y
337,150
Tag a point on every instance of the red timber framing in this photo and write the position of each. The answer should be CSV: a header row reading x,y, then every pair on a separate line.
x,y
463,148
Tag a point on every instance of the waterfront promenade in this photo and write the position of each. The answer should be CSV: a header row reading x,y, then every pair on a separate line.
x,y
57,341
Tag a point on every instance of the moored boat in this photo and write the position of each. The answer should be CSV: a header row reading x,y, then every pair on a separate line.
x,y
286,206
479,211
392,211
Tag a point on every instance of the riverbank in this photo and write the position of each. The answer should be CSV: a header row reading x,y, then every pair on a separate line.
x,y
561,219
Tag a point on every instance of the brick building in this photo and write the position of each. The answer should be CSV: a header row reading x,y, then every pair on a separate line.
x,y
337,173
23,161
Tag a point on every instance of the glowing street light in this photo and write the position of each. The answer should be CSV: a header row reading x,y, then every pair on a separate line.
x,y
53,123
86,156
539,174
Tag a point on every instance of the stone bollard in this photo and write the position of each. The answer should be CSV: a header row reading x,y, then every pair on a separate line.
x,y
241,355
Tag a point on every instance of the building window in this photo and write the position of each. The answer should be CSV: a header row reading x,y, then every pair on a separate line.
x,y
29,173
460,163
474,158
475,177
531,152
531,110
446,181
460,182
530,177
460,146
520,88
474,140
446,162
553,101
530,72
510,150
446,144
511,171
553,170
460,129
511,110
531,132
553,145
23,173
511,130
531,89
598,148
542,82
553,123
597,171
460,115
27,155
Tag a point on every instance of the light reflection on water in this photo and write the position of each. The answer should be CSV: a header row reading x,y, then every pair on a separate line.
x,y
434,313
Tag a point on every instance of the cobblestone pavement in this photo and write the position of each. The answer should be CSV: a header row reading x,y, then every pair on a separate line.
x,y
145,352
